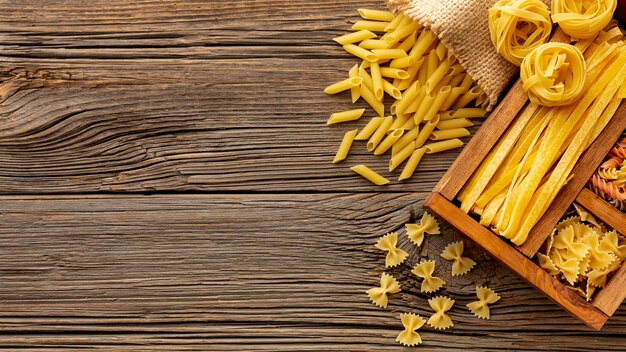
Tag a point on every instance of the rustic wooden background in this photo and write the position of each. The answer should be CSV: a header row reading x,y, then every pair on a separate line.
x,y
166,181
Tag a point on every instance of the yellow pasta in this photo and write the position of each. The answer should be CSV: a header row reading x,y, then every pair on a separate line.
x,y
374,44
440,320
380,133
411,322
374,26
376,15
377,81
466,98
399,157
449,134
485,296
454,123
554,74
389,54
355,91
368,82
425,270
355,37
370,174
402,32
424,106
518,26
411,165
379,295
408,42
345,116
402,62
360,52
582,18
370,98
395,255
406,139
388,142
391,90
461,265
393,24
369,129
344,148
346,84
393,73
437,102
442,146
468,113
428,225
428,128
437,76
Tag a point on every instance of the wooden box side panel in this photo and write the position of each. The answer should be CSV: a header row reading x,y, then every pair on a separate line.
x,y
517,262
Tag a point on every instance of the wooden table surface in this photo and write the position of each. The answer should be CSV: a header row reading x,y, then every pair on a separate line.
x,y
167,184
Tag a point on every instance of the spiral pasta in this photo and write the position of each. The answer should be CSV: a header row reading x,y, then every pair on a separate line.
x,y
554,74
582,19
518,26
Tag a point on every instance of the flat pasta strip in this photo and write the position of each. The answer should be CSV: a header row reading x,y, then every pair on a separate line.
x,y
428,224
395,255
411,322
486,296
461,265
388,285
440,320
425,270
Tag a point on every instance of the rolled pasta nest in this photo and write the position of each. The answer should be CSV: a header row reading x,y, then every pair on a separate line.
x,y
583,19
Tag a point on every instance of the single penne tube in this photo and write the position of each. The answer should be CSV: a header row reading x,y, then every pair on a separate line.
x,y
467,82
408,42
408,97
399,121
401,156
411,165
469,113
480,100
374,44
360,52
408,137
389,54
355,37
392,108
452,97
427,129
370,174
440,98
370,98
402,62
394,73
391,89
345,145
369,129
446,115
449,134
444,82
354,91
442,146
466,98
422,73
345,116
423,108
454,123
367,79
388,142
456,80
422,43
437,76
441,51
341,86
409,124
402,32
412,71
376,15
456,69
377,81
416,102
395,22
374,26
432,63
380,133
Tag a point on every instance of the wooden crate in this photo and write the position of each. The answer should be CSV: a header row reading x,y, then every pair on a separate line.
x,y
519,258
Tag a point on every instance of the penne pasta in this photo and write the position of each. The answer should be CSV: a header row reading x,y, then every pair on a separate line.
x,y
456,80
388,142
370,174
355,37
374,44
374,26
423,108
401,156
345,116
395,22
449,134
435,106
454,94
407,138
402,62
469,113
391,89
345,145
341,86
412,71
376,15
408,96
389,54
431,64
354,91
370,98
402,32
466,98
411,165
369,129
455,123
394,73
378,135
441,52
423,42
446,115
399,121
456,69
377,81
408,42
414,106
442,146
360,52
466,83
428,128
367,79
437,76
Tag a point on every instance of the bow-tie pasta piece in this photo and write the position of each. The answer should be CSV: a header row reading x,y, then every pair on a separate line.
x,y
395,255
485,296
461,265
586,216
428,224
425,270
565,240
411,322
440,320
388,285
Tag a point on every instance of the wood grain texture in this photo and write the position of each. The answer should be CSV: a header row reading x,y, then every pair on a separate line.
x,y
180,96
247,272
517,262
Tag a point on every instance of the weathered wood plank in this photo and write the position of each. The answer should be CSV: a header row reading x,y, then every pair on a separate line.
x,y
253,272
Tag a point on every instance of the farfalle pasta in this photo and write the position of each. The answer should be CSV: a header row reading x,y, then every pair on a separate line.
x,y
518,26
583,19
554,74
440,320
461,265
428,224
411,322
425,270
486,296
379,295
395,255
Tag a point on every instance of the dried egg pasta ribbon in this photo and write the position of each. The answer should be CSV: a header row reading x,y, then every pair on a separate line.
x,y
518,26
554,74
583,19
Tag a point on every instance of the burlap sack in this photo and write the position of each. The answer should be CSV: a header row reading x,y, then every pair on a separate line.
x,y
462,25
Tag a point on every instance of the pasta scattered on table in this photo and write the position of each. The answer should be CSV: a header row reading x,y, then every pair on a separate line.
x,y
425,270
411,322
395,255
461,265
428,224
379,295
440,320
486,296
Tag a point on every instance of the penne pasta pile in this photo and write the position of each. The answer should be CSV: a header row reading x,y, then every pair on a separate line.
x,y
524,172
422,95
